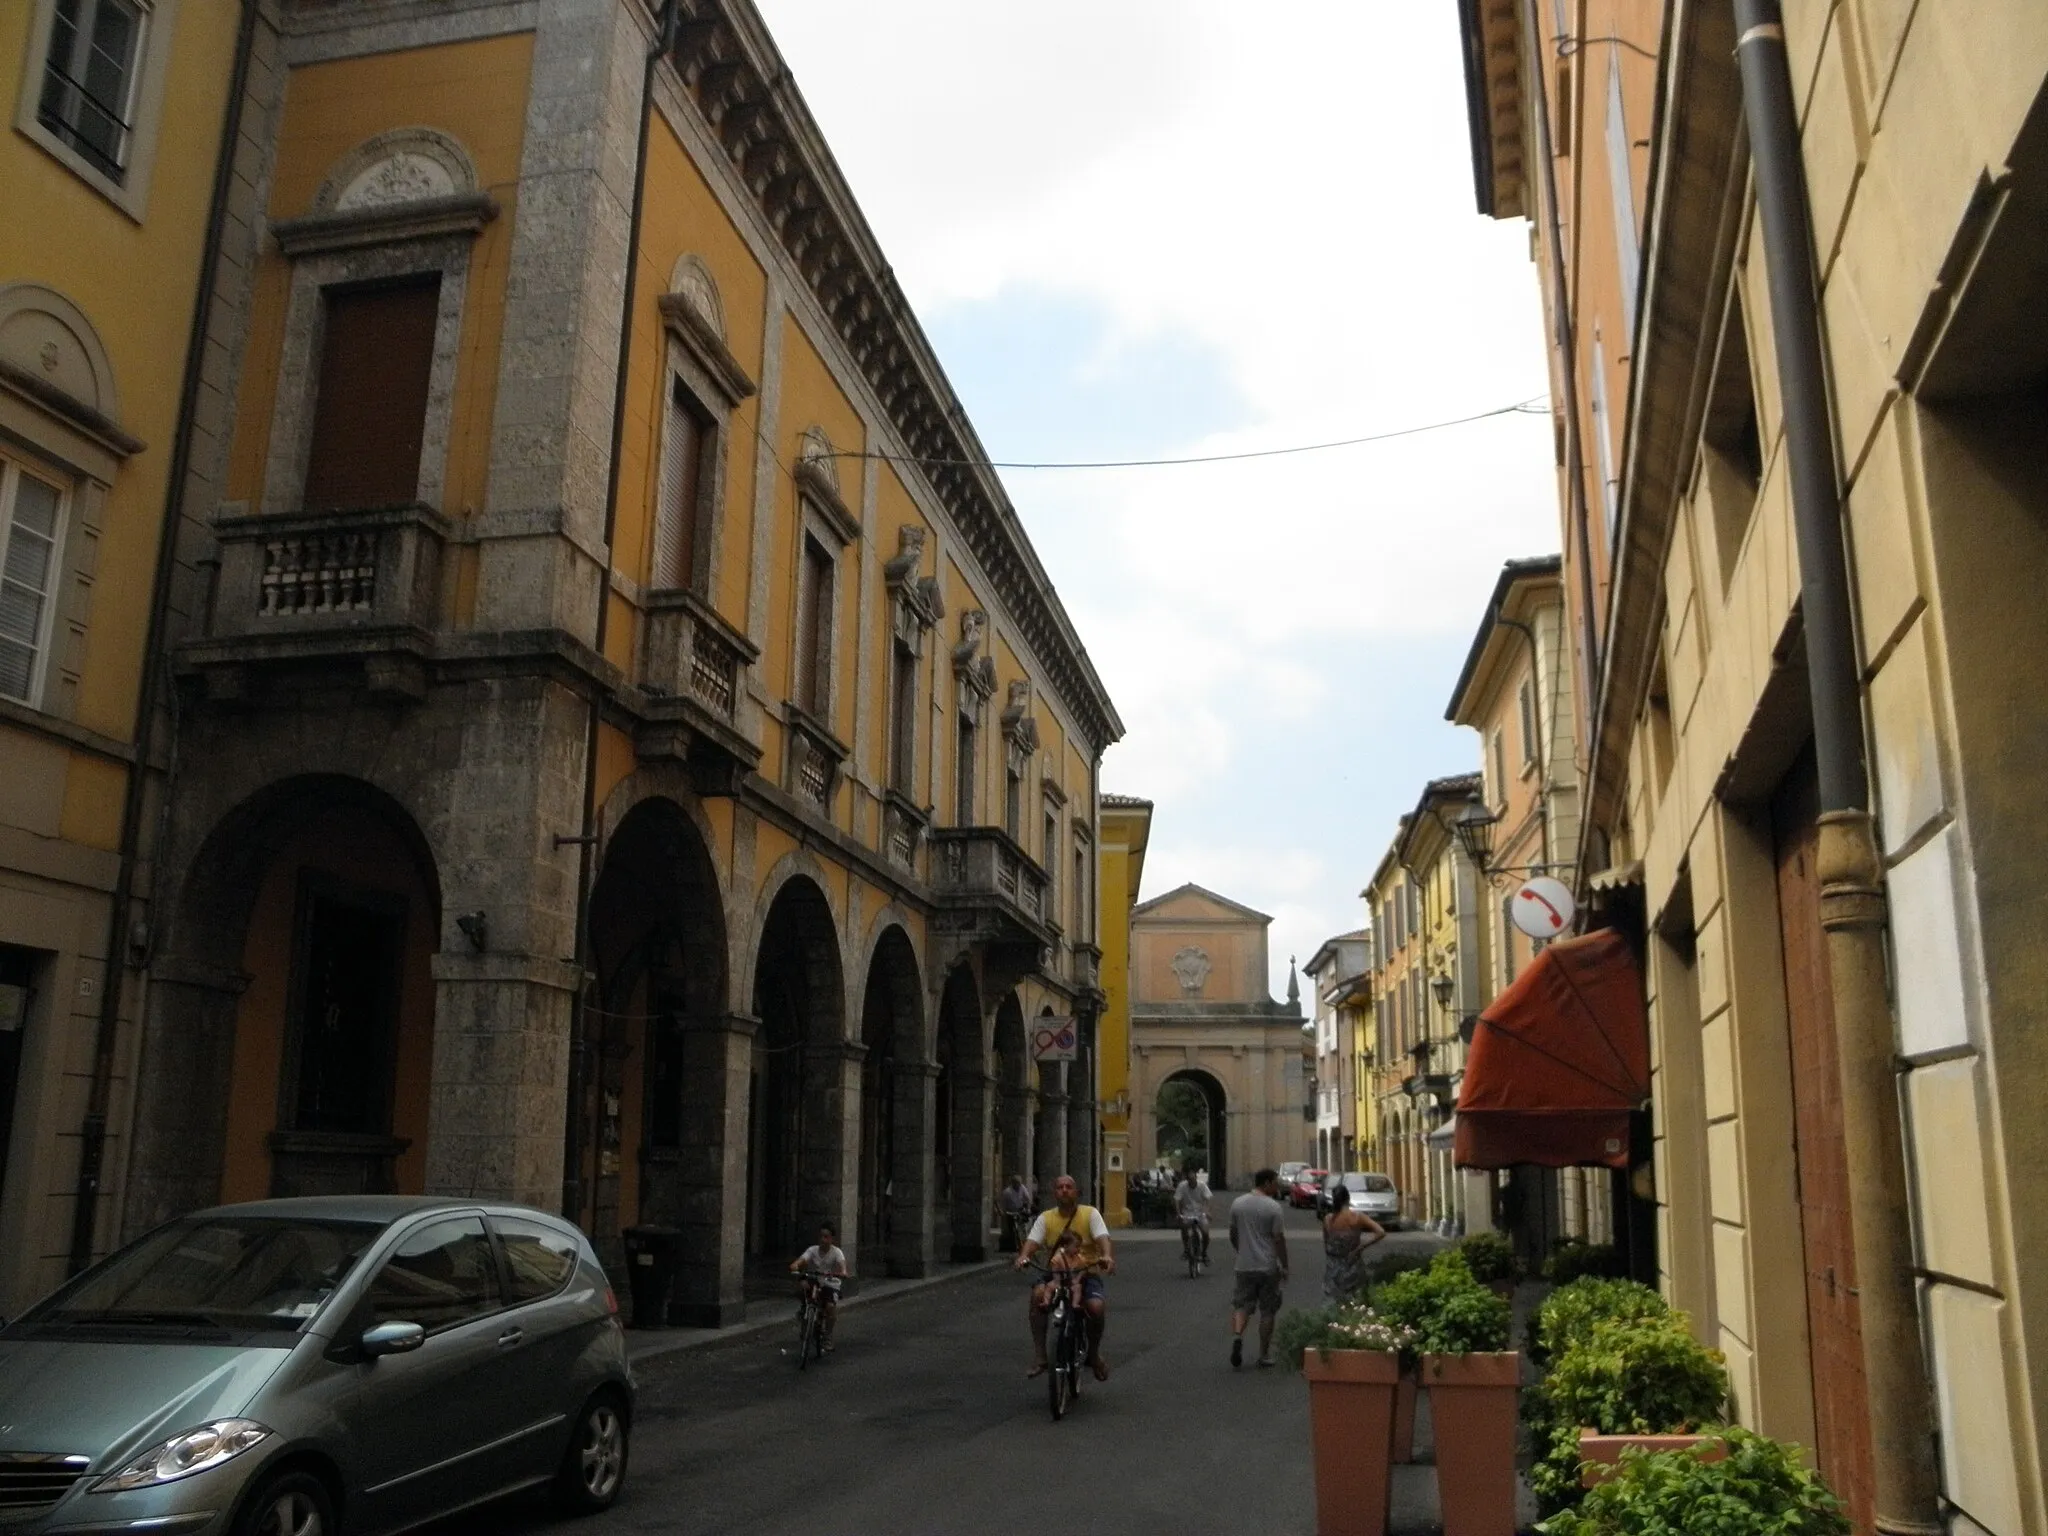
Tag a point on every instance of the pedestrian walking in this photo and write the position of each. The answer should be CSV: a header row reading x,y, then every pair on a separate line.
x,y
1258,1233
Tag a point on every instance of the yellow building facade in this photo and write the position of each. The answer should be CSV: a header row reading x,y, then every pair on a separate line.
x,y
1864,550
111,168
629,758
1126,829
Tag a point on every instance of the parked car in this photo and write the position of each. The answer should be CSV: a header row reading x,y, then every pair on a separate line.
x,y
1305,1189
1289,1172
1372,1193
259,1368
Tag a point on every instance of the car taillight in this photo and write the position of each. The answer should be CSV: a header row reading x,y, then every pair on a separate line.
x,y
611,1301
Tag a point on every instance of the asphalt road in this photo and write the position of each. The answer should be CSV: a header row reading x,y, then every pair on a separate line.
x,y
922,1421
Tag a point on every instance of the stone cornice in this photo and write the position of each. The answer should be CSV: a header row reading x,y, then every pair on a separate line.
x,y
734,76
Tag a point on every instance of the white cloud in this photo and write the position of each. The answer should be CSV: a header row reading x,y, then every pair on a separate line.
x,y
1290,192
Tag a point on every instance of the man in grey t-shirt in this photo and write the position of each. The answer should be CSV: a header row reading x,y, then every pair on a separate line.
x,y
1260,1238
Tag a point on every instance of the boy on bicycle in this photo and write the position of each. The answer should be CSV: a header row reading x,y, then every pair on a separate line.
x,y
825,1262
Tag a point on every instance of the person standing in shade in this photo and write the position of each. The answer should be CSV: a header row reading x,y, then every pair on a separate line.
x,y
1258,1233
1015,1201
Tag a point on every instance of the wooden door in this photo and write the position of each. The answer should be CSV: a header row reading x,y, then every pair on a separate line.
x,y
1834,1326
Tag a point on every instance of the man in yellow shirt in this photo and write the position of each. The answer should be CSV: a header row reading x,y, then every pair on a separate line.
x,y
1069,1215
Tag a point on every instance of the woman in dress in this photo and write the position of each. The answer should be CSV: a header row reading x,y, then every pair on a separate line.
x,y
1346,1236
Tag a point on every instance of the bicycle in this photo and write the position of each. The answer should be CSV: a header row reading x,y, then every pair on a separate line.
x,y
1066,1338
810,1318
1191,1248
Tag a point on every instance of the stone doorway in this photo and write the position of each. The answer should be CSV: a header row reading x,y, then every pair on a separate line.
x,y
1192,1114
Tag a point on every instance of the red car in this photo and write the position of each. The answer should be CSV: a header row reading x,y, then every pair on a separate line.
x,y
1306,1189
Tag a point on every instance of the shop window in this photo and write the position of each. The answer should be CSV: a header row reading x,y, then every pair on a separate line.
x,y
370,408
31,528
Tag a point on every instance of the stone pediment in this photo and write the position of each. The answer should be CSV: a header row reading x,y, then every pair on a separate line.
x,y
1193,904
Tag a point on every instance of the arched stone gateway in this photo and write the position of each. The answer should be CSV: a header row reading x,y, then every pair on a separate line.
x,y
896,1105
806,1075
289,1042
649,1136
1205,1144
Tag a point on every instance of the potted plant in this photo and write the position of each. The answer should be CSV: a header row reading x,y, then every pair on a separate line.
x,y
1472,1377
1491,1258
1642,1383
1570,1313
1748,1485
1384,1272
1351,1359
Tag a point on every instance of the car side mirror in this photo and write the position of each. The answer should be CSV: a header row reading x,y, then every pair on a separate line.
x,y
392,1339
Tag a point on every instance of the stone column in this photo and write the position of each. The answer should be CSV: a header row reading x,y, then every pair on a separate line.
x,y
709,1199
1051,1154
1019,1111
973,1194
181,1091
1081,1124
912,1217
829,1160
497,1110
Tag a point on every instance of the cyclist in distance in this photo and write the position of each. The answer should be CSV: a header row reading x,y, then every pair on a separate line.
x,y
1097,1256
826,1259
1191,1205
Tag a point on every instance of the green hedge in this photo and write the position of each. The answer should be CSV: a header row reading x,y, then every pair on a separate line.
x,y
1451,1313
1762,1488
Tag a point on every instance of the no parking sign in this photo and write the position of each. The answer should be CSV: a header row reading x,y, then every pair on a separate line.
x,y
1053,1039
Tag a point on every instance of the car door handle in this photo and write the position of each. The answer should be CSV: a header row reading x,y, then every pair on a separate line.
x,y
511,1338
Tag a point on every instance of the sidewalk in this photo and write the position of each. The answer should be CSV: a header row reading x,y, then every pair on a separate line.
x,y
652,1343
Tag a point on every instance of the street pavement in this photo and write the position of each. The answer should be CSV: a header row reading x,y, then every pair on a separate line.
x,y
922,1420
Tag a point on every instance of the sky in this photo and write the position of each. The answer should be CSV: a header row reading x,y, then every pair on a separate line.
x,y
1160,228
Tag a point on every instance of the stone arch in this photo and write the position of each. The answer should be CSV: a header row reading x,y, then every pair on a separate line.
x,y
961,1179
893,1202
1214,1153
655,1010
401,165
52,341
805,1072
315,897
748,939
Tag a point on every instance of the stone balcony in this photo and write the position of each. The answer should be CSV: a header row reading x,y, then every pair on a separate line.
x,y
987,887
693,668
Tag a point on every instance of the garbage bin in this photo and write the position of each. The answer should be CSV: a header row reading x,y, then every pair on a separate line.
x,y
652,1256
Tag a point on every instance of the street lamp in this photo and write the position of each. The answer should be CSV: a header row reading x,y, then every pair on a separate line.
x,y
1474,830
1442,985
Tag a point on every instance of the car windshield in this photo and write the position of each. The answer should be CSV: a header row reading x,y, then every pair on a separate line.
x,y
219,1272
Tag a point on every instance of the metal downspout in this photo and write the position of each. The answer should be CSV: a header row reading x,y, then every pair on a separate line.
x,y
92,1136
1852,903
586,857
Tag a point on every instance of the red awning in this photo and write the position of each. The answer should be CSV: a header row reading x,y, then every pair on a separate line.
x,y
1558,1062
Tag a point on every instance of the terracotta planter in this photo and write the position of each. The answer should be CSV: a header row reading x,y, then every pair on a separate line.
x,y
1604,1451
1351,1417
1404,1418
1472,1400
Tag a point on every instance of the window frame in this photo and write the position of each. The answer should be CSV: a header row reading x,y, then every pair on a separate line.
x,y
146,88
12,468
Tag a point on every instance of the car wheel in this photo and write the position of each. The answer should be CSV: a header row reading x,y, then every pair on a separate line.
x,y
288,1504
594,1468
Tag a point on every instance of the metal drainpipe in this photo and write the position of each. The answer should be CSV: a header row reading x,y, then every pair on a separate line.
x,y
1852,903
586,857
92,1136
1568,353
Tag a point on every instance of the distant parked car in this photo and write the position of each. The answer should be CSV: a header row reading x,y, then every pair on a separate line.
x,y
260,1368
1289,1172
1306,1188
1372,1193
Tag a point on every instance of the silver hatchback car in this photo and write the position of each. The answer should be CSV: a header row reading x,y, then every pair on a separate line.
x,y
305,1367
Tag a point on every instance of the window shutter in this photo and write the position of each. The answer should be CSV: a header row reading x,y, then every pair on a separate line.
x,y
675,511
1622,184
370,416
29,535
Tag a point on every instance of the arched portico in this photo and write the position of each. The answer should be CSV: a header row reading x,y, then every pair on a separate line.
x,y
965,1191
805,1076
1176,1139
896,1111
289,1042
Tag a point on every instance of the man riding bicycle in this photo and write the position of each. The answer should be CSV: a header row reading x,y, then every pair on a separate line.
x,y
1191,1205
1069,1217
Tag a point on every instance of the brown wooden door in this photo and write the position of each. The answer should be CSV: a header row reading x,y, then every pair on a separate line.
x,y
1835,1329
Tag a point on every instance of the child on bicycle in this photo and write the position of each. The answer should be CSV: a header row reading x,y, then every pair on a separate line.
x,y
825,1261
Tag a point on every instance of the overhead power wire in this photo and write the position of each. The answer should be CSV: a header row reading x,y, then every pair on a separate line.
x,y
1535,405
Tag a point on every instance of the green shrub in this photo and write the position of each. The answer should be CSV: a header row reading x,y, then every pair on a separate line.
x,y
1631,1376
1571,1312
1491,1257
1761,1489
1574,1257
1450,1312
1379,1271
1345,1326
